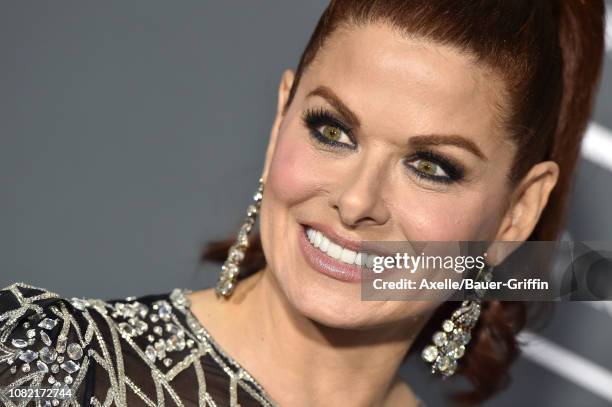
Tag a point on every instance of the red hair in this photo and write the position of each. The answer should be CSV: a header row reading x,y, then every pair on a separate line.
x,y
549,54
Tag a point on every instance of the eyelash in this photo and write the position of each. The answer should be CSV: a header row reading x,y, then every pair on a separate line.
x,y
315,118
454,172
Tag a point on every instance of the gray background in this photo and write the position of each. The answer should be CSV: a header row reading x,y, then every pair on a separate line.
x,y
133,132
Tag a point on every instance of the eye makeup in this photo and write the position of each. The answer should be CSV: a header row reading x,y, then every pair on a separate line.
x,y
317,118
314,119
454,172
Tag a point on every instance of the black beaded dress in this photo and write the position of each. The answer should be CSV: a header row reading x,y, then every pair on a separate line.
x,y
146,351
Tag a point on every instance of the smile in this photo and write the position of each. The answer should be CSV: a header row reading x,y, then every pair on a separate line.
x,y
336,251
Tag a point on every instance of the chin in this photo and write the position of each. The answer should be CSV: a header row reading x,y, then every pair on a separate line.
x,y
335,304
332,309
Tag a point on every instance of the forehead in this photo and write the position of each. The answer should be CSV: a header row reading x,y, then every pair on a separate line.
x,y
410,85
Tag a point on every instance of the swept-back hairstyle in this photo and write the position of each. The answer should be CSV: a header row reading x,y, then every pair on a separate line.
x,y
549,55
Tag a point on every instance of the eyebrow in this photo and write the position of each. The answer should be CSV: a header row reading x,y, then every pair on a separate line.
x,y
416,141
326,93
453,140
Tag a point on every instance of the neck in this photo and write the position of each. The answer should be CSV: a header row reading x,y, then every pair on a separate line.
x,y
320,365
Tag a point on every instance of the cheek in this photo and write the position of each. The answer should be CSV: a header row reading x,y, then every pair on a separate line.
x,y
293,177
446,216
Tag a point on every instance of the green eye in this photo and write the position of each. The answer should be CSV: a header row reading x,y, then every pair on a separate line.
x,y
328,130
331,132
429,168
334,134
434,167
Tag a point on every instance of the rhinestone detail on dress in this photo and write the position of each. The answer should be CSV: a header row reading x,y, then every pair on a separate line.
x,y
137,347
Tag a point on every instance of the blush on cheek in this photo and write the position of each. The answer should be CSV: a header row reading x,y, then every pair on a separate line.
x,y
293,177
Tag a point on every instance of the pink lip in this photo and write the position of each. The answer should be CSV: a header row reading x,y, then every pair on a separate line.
x,y
326,264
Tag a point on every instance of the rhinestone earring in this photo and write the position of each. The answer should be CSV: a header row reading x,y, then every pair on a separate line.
x,y
231,268
449,343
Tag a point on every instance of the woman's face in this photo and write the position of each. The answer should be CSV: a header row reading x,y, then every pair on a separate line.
x,y
387,138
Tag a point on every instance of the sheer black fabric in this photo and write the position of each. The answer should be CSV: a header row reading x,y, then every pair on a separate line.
x,y
146,351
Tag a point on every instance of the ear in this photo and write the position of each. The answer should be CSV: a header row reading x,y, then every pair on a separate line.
x,y
528,201
283,94
526,205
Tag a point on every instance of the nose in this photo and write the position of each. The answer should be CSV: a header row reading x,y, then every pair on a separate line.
x,y
359,199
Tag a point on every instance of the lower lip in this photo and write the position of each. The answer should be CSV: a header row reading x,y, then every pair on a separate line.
x,y
326,264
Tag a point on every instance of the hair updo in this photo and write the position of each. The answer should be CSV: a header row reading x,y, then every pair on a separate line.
x,y
549,54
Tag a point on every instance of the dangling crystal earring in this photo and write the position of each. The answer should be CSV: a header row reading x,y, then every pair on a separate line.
x,y
449,343
231,267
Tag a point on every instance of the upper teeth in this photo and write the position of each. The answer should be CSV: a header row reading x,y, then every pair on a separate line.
x,y
324,244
